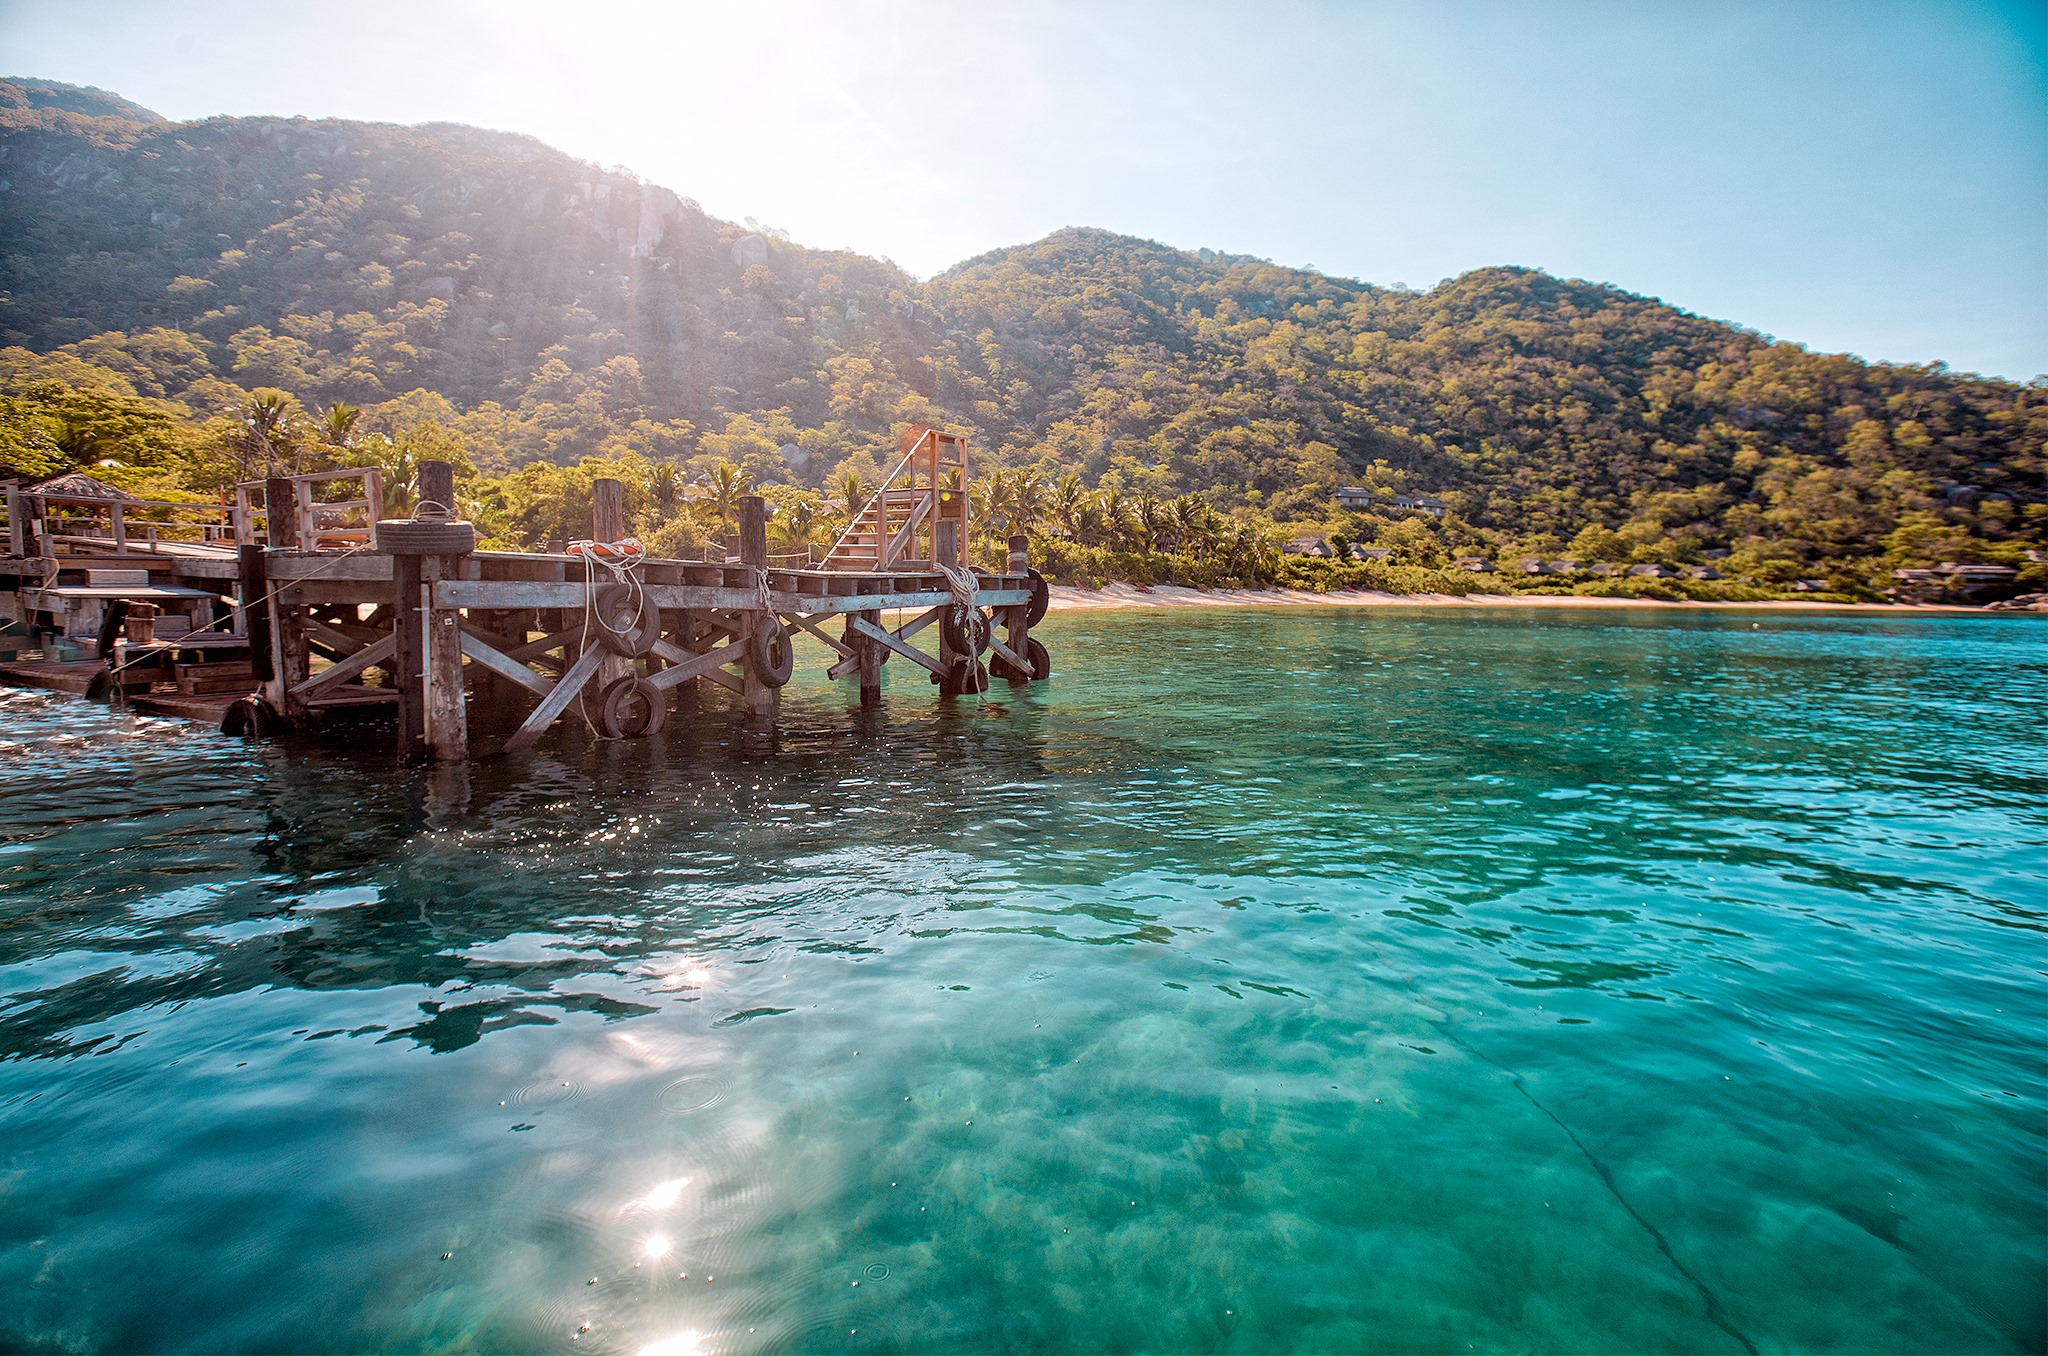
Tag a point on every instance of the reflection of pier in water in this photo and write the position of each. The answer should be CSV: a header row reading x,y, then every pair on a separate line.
x,y
316,618
467,887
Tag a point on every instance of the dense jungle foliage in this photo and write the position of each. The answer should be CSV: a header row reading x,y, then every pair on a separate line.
x,y
187,304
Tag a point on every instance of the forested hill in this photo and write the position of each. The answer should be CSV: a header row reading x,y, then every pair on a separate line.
x,y
546,310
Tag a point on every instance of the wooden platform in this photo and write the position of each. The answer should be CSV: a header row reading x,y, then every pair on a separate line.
x,y
205,707
55,675
415,623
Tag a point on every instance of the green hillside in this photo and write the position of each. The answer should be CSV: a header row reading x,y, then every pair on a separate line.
x,y
192,300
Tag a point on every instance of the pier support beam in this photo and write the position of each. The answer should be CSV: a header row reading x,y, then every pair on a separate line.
x,y
409,661
290,657
871,657
607,524
433,717
447,711
758,696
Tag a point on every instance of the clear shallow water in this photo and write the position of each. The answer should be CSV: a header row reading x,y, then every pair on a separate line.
x,y
1310,981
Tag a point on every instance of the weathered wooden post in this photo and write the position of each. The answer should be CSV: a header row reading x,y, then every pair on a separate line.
x,y
290,655
252,620
437,487
17,537
607,524
759,695
308,516
427,665
946,551
871,656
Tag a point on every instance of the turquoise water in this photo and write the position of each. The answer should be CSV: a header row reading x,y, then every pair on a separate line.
x,y
1291,980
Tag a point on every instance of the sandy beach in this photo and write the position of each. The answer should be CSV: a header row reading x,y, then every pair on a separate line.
x,y
1066,598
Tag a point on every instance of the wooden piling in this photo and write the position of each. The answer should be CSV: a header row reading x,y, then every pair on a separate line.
x,y
607,524
255,616
445,711
290,657
871,657
409,661
759,696
437,486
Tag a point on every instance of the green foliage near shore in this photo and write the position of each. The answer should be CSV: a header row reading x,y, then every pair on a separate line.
x,y
185,305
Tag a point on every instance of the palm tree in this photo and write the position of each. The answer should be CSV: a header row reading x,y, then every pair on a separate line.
x,y
1190,519
1114,512
998,503
264,424
1068,503
854,494
1151,520
728,484
664,487
797,527
1027,501
338,424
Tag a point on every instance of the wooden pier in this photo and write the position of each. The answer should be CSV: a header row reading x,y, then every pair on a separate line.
x,y
406,619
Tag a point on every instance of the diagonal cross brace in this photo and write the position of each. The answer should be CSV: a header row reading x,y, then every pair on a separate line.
x,y
894,642
558,699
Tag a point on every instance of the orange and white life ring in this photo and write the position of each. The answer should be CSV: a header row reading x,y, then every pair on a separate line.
x,y
626,549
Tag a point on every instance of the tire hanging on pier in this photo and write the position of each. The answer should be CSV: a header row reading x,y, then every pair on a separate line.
x,y
1041,599
1035,652
968,676
627,621
631,708
965,629
248,718
769,653
110,628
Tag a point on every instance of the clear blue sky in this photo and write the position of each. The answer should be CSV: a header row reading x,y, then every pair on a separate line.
x,y
1866,177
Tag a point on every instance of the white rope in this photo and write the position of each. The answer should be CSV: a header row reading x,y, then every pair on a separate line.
x,y
964,584
624,571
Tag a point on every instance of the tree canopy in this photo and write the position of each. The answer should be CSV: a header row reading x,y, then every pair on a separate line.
x,y
189,301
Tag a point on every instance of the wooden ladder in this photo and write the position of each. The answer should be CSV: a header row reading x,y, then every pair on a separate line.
x,y
899,528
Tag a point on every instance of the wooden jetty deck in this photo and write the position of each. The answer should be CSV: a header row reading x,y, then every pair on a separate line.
x,y
410,618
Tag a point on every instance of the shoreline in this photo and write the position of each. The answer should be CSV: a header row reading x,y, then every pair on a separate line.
x,y
1071,598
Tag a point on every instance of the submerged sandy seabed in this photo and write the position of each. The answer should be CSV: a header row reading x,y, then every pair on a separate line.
x,y
1068,598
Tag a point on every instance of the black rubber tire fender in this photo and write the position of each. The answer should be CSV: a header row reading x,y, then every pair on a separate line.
x,y
249,718
965,629
969,676
631,708
1041,599
101,687
1035,654
110,627
770,656
426,537
626,620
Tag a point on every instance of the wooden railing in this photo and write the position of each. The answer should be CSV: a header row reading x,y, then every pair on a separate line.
x,y
913,508
311,534
36,517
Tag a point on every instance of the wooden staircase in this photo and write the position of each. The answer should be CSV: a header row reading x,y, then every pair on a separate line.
x,y
922,502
